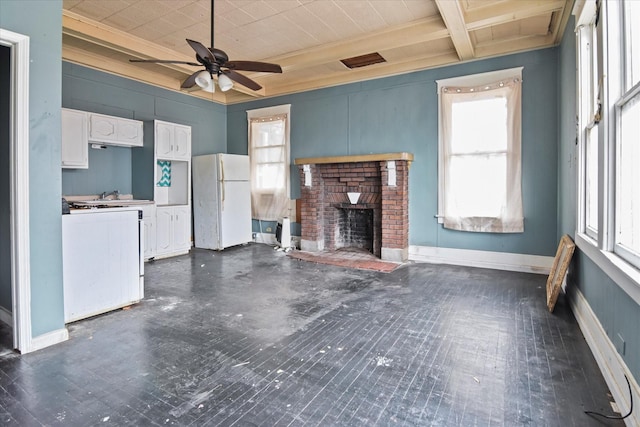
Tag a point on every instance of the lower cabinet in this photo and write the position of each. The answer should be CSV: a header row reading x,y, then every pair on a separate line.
x,y
149,218
100,262
173,230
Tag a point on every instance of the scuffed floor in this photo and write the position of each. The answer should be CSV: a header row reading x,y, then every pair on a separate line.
x,y
251,337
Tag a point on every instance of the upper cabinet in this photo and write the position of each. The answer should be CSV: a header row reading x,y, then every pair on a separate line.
x,y
115,130
75,149
173,141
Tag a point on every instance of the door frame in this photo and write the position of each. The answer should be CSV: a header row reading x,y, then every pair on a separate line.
x,y
19,189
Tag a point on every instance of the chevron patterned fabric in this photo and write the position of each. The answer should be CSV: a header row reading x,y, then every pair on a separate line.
x,y
165,178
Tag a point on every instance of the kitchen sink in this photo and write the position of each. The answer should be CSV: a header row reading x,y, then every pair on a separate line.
x,y
113,203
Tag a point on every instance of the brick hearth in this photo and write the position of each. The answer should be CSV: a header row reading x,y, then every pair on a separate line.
x,y
325,182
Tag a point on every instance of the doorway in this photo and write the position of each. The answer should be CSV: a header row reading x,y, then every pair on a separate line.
x,y
6,336
15,287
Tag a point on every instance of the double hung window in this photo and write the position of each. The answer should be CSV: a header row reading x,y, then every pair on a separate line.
x,y
269,157
608,41
479,156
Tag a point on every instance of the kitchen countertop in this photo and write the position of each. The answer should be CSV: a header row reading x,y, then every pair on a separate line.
x,y
94,210
93,204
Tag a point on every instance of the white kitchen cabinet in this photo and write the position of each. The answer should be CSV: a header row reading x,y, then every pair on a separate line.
x,y
149,218
172,141
75,148
115,130
100,262
173,230
172,189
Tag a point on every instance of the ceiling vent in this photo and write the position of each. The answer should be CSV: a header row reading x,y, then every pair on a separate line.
x,y
363,60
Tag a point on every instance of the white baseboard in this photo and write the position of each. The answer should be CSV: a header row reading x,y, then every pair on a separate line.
x,y
484,259
611,364
6,316
50,338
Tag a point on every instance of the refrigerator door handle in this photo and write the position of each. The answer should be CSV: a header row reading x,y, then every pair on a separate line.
x,y
222,182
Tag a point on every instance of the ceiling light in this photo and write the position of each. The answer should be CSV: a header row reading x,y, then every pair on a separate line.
x,y
204,80
224,82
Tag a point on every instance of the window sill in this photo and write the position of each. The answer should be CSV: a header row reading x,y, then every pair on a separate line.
x,y
626,276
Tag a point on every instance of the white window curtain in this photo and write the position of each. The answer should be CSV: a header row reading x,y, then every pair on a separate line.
x,y
269,158
481,157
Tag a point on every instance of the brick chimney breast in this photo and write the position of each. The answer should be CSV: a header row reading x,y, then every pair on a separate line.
x,y
326,222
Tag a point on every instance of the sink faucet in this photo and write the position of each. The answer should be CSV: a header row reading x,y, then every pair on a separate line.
x,y
114,193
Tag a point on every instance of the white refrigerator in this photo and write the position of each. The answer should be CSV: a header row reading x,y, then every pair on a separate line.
x,y
221,200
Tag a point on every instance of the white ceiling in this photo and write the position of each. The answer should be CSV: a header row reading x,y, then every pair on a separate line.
x,y
306,37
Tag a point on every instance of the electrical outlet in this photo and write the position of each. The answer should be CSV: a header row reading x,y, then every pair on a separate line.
x,y
254,235
268,229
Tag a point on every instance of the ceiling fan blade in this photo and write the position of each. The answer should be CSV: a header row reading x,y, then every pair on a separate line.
x,y
201,50
191,80
243,80
253,66
164,61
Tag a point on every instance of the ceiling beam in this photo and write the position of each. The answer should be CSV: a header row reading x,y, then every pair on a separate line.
x,y
453,17
510,11
423,30
366,73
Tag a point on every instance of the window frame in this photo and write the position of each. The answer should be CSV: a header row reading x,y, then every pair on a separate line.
x,y
473,80
613,94
588,117
277,110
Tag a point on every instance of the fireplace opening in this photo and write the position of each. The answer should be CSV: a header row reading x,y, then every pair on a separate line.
x,y
354,229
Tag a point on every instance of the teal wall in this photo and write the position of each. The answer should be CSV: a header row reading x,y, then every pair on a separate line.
x,y
400,114
130,170
616,311
42,21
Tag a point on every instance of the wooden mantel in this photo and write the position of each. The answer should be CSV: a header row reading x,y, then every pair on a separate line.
x,y
354,159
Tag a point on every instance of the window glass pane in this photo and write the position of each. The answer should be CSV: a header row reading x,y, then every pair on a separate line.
x,y
479,126
628,186
591,181
632,27
269,176
478,185
268,133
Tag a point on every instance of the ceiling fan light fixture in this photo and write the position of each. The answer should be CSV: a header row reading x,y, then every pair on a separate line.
x,y
204,80
224,82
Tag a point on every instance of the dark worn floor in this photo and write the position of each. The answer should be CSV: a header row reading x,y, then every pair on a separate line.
x,y
250,337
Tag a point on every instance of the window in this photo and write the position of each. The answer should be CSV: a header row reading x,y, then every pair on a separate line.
x,y
479,158
627,146
269,157
589,113
609,125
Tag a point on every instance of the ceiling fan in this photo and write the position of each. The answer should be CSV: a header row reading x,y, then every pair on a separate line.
x,y
216,63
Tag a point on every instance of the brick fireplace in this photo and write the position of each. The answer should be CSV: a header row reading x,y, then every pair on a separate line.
x,y
377,221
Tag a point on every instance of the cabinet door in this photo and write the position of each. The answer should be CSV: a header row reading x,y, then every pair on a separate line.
x,y
75,147
163,230
102,128
182,142
181,227
130,132
149,238
164,140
